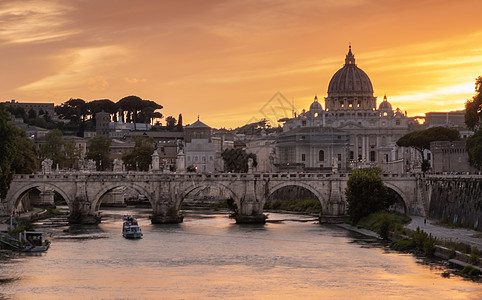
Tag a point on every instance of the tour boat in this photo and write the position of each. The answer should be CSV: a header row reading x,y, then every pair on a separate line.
x,y
130,228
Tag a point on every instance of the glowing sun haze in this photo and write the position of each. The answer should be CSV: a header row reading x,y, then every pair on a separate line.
x,y
225,60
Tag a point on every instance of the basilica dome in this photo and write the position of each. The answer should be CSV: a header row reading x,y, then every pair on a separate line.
x,y
350,80
385,105
316,106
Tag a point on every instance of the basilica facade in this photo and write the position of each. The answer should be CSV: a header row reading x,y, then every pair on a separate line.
x,y
350,132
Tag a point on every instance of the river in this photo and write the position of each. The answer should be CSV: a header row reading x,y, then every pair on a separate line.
x,y
210,257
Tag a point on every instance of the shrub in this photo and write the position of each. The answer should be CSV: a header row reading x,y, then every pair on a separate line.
x,y
403,245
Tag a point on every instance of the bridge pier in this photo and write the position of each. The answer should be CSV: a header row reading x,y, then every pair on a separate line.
x,y
81,212
46,199
166,212
251,209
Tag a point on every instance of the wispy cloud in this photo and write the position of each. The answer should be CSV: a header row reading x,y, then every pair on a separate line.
x,y
33,21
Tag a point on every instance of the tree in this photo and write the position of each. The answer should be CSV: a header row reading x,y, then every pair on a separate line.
x,y
179,123
72,153
474,149
97,106
236,160
53,148
25,160
17,153
170,123
473,108
7,152
32,114
98,150
76,111
473,119
366,194
140,157
420,140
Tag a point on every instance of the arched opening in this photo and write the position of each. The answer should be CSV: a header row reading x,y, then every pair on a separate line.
x,y
118,200
46,202
397,202
207,197
293,198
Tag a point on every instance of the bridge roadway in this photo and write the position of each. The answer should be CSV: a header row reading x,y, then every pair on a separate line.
x,y
83,191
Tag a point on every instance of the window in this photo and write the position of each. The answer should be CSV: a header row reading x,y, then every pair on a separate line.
x,y
372,156
303,123
195,158
321,155
352,155
303,157
397,122
339,157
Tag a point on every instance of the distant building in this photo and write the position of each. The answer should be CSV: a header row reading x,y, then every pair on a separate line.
x,y
448,157
102,121
451,119
37,107
199,150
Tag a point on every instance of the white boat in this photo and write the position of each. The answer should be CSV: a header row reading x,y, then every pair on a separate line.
x,y
130,228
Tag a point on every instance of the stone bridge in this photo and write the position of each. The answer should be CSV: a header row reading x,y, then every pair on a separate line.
x,y
83,191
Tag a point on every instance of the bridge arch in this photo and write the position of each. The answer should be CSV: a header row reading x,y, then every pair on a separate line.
x,y
197,186
20,192
130,185
400,193
314,191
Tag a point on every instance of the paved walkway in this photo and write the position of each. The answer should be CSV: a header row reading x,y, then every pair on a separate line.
x,y
445,233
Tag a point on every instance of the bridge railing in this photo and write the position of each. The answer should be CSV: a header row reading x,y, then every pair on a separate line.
x,y
140,176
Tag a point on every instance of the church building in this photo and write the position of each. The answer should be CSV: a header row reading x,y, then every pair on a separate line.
x,y
350,132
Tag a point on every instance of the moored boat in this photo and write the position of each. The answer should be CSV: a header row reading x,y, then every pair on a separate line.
x,y
27,241
130,228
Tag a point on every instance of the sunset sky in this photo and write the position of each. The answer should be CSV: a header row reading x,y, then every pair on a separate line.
x,y
234,62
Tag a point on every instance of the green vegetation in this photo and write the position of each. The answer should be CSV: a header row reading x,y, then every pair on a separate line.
x,y
384,222
236,160
99,152
473,119
418,241
404,245
17,152
140,157
22,225
53,211
295,204
469,271
366,194
218,205
420,140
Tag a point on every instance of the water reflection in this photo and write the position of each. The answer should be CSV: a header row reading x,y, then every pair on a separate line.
x,y
209,256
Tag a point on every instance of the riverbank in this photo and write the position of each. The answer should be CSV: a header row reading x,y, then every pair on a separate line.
x,y
447,238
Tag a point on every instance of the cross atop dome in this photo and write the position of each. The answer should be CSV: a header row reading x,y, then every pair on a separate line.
x,y
350,58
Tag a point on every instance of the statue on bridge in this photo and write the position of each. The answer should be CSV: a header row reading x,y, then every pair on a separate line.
x,y
118,165
90,165
47,165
